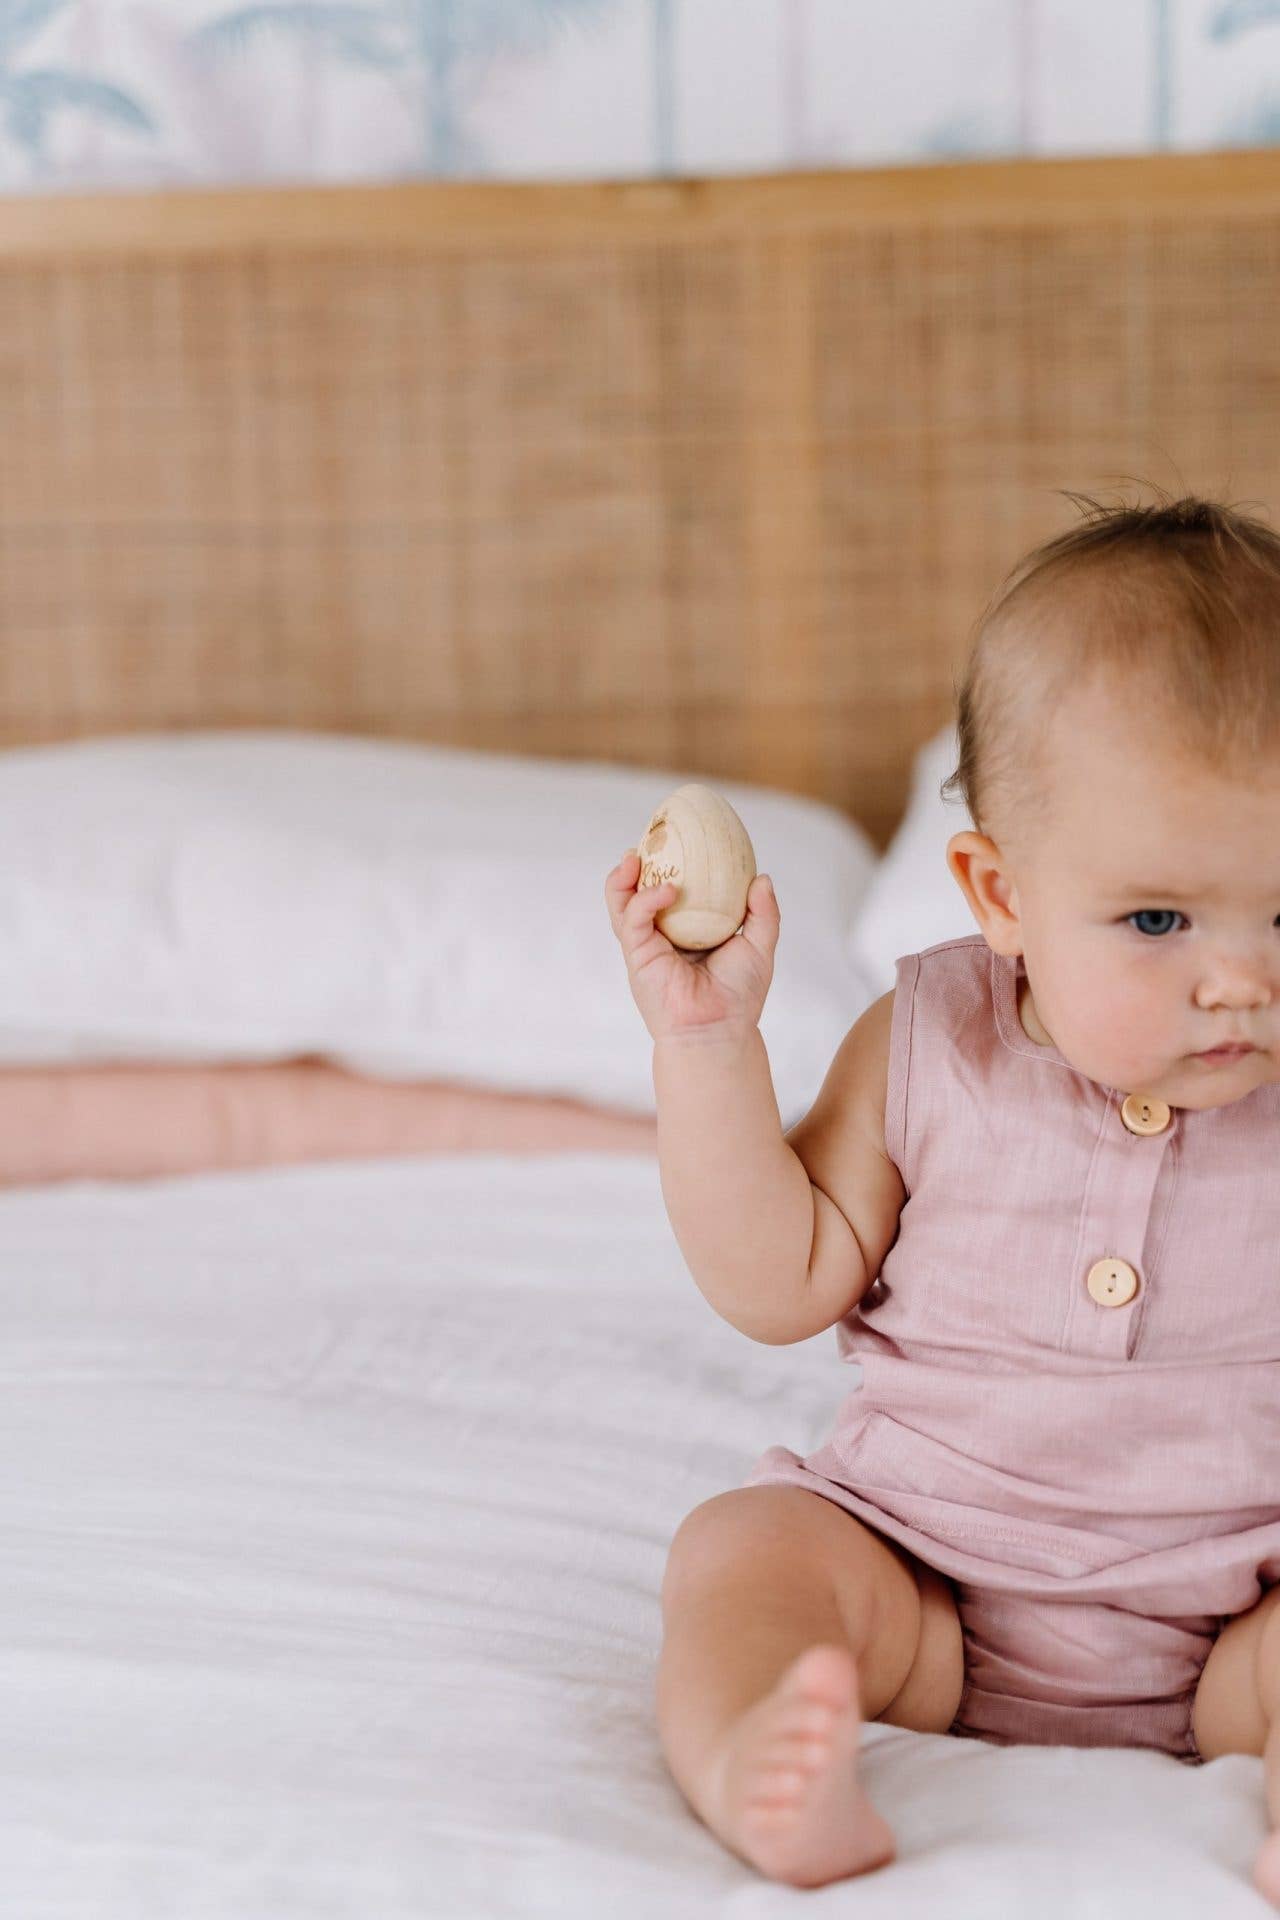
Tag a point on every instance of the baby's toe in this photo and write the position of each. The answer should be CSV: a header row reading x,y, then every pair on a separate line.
x,y
824,1676
805,1719
1266,1869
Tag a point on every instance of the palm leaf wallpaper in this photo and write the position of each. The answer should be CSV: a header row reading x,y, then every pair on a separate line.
x,y
103,93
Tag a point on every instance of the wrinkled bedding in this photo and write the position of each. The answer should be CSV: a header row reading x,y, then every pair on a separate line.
x,y
336,1504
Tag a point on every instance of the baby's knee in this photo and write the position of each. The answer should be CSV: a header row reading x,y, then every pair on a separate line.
x,y
732,1528
759,1534
777,1538
1267,1671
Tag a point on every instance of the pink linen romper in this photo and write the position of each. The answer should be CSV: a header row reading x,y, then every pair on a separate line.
x,y
1070,1392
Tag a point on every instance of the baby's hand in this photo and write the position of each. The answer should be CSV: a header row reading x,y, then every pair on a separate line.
x,y
679,992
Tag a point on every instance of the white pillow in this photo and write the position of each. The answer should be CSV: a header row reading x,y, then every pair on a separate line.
x,y
914,900
409,911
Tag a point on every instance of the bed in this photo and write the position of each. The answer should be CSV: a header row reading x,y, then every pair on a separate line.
x,y
348,537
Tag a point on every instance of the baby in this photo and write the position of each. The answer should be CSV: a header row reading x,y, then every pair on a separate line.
x,y
1037,1196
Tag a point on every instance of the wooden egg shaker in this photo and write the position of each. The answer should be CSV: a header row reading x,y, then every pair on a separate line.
x,y
697,840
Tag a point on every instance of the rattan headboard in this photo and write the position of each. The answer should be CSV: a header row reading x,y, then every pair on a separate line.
x,y
713,476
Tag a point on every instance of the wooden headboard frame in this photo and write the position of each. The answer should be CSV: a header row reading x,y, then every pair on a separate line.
x,y
711,475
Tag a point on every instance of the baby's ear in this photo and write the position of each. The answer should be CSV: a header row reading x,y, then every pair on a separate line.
x,y
981,872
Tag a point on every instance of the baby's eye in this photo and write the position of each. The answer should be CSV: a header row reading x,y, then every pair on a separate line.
x,y
1141,920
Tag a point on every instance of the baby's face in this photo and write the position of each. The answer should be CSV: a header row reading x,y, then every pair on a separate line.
x,y
1147,911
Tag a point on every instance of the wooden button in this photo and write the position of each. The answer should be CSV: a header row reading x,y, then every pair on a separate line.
x,y
1112,1283
1142,1114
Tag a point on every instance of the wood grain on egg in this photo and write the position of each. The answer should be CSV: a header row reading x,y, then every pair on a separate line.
x,y
696,840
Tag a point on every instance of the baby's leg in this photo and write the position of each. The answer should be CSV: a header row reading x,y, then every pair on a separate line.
x,y
787,1622
1237,1710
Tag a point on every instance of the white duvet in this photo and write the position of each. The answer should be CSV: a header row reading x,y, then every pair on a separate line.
x,y
336,1503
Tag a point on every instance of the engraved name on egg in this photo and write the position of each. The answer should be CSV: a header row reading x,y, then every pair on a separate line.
x,y
696,840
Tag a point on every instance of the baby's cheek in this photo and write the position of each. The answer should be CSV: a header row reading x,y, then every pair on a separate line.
x,y
1115,1021
1137,1043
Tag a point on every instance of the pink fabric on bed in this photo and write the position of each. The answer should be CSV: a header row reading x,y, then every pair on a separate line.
x,y
140,1122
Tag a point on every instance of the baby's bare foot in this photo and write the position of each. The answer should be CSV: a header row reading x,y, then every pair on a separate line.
x,y
784,1791
1266,1869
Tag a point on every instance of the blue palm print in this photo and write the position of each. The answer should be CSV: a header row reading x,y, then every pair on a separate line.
x,y
30,96
664,133
1162,62
1236,16
1257,125
441,40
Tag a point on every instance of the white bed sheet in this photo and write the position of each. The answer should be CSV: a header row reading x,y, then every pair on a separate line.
x,y
336,1505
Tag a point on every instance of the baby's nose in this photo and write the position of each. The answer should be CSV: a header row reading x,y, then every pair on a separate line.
x,y
1237,982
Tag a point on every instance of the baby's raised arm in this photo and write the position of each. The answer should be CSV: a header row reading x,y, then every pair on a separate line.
x,y
783,1234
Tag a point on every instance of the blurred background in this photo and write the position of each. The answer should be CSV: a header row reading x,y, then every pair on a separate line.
x,y
98,93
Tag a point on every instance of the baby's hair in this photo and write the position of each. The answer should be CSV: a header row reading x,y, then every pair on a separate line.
x,y
1175,606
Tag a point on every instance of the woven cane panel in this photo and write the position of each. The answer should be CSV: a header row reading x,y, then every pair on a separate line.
x,y
714,491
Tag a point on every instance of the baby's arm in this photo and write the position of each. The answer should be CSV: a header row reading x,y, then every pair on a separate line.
x,y
858,1193
783,1233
